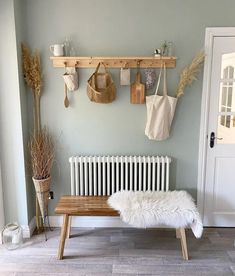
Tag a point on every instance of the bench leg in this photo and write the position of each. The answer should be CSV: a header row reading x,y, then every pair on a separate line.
x,y
64,229
181,234
177,233
69,227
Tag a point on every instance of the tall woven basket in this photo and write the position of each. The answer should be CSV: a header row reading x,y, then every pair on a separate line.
x,y
42,188
100,86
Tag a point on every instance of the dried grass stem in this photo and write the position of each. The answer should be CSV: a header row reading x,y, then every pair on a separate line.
x,y
32,69
42,153
189,73
33,78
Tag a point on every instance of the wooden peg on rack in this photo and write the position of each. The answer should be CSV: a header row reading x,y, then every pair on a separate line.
x,y
138,65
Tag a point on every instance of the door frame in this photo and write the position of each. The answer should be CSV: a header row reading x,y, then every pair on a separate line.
x,y
205,101
2,217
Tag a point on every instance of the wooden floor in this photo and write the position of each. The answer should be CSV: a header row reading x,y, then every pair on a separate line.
x,y
115,251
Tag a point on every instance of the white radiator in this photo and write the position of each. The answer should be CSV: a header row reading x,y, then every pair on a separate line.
x,y
105,175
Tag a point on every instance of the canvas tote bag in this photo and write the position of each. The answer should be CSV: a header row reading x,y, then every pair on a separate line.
x,y
160,112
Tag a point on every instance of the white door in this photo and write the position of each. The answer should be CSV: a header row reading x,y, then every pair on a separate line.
x,y
219,197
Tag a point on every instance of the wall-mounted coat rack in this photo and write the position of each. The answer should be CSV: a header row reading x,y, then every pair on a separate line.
x,y
114,62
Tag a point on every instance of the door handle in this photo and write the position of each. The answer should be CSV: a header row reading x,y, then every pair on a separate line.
x,y
212,139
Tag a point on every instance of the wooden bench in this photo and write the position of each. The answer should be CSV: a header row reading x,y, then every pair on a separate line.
x,y
69,206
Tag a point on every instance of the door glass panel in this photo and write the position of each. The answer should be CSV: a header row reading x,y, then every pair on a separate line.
x,y
224,95
226,129
227,97
226,116
230,91
222,120
230,72
225,73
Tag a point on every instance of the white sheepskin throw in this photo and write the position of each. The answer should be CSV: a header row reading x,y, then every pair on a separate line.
x,y
147,209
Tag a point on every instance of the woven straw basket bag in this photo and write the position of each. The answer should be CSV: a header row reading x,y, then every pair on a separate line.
x,y
100,86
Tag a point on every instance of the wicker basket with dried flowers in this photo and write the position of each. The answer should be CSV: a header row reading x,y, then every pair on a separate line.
x,y
42,154
41,146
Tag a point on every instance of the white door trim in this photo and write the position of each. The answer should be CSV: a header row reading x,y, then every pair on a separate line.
x,y
209,37
2,218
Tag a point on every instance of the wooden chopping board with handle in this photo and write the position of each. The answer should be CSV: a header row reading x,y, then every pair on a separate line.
x,y
137,90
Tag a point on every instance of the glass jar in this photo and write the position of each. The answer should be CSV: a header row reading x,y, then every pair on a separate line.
x,y
67,46
170,49
12,236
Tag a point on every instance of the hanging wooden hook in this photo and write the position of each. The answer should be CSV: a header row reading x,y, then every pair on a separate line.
x,y
138,65
66,100
125,64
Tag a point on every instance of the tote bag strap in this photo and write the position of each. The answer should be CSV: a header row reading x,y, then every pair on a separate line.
x,y
164,81
158,82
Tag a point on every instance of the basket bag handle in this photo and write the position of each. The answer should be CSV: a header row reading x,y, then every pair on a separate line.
x,y
98,67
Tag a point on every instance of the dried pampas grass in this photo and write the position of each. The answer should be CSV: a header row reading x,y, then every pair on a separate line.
x,y
42,153
32,69
33,78
189,73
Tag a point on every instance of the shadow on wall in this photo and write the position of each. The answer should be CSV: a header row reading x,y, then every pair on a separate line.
x,y
173,170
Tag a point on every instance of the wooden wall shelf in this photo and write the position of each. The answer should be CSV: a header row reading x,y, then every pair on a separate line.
x,y
114,62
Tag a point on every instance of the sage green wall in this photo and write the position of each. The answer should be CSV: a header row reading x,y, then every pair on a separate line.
x,y
121,27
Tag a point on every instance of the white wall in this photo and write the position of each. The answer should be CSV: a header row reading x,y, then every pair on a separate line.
x,y
11,136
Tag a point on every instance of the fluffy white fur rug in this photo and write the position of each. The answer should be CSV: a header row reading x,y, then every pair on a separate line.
x,y
147,209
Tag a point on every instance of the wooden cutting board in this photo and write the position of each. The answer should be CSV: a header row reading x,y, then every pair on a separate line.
x,y
137,90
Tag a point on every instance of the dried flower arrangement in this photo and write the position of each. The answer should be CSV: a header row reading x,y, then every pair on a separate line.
x,y
33,78
42,153
189,73
41,147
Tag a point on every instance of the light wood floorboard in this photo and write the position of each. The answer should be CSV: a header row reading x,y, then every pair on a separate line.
x,y
118,251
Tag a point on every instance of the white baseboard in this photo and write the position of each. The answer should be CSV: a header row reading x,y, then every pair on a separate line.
x,y
56,221
29,229
84,221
